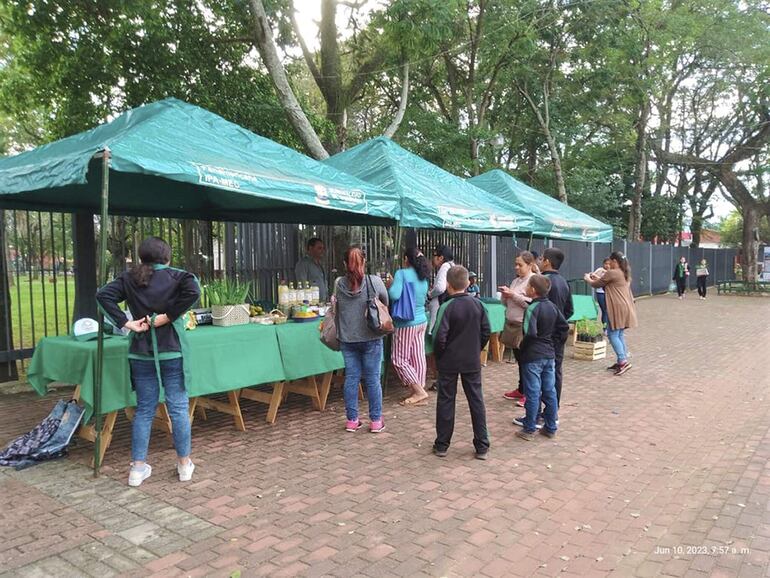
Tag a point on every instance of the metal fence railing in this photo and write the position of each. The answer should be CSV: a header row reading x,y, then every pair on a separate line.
x,y
37,298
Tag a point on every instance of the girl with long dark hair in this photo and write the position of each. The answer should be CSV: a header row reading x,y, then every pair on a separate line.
x,y
408,355
157,297
361,347
620,306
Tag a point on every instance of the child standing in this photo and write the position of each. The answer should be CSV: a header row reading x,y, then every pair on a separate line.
x,y
461,332
543,327
473,289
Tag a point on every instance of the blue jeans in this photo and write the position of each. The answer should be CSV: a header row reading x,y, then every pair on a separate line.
x,y
602,299
540,383
145,381
363,361
618,342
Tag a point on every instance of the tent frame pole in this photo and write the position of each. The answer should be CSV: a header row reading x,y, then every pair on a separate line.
x,y
102,280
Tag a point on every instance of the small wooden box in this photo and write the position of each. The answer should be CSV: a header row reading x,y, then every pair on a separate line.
x,y
589,351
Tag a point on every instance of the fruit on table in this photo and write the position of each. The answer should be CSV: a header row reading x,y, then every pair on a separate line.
x,y
305,314
255,310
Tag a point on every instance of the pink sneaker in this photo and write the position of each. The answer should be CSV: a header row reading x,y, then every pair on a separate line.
x,y
514,394
521,401
377,426
353,424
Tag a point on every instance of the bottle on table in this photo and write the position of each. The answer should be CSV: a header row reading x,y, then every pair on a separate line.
x,y
315,294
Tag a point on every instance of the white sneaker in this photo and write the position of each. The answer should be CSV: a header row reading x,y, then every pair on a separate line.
x,y
185,471
136,477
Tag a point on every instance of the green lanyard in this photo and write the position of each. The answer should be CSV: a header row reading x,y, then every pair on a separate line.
x,y
155,354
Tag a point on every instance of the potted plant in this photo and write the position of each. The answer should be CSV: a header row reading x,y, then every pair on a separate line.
x,y
227,298
590,343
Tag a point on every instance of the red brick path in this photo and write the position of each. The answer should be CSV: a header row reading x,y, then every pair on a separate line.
x,y
663,471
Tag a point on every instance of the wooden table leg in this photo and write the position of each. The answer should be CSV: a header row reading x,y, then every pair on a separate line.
x,y
232,407
237,415
275,402
273,399
161,421
88,431
193,403
326,384
496,347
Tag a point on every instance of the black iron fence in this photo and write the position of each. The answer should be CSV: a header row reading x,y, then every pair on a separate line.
x,y
37,298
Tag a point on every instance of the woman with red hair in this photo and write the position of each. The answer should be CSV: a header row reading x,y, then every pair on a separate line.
x,y
361,347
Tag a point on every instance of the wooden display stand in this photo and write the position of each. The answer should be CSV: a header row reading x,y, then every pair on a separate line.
x,y
589,351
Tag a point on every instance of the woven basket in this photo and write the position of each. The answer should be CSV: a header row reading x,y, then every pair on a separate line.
x,y
229,315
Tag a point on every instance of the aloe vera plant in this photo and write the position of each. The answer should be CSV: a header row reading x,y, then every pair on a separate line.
x,y
227,292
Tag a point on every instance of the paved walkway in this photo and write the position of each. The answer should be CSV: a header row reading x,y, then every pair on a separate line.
x,y
663,471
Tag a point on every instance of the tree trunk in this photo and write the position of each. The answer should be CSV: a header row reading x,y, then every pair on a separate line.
x,y
556,161
640,173
269,54
391,130
531,159
750,246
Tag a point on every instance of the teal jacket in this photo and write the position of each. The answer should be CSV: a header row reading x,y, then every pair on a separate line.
x,y
409,275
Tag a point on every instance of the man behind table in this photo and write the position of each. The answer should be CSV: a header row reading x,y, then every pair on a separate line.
x,y
310,268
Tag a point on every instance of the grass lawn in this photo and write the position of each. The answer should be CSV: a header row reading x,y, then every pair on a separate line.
x,y
40,308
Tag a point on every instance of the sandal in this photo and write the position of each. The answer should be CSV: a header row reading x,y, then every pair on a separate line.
x,y
407,402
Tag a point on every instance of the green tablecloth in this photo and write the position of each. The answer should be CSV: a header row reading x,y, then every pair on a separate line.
x,y
495,313
221,359
302,352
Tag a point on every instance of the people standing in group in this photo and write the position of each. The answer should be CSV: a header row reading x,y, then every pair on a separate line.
x,y
681,273
560,295
620,306
461,332
410,284
361,346
516,302
310,268
157,297
600,296
544,328
443,260
702,275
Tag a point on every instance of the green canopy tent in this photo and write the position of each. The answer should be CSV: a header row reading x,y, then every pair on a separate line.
x,y
430,197
173,159
552,218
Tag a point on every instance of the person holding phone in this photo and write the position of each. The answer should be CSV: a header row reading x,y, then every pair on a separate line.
x,y
516,301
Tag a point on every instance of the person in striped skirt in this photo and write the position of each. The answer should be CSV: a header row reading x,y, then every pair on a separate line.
x,y
408,292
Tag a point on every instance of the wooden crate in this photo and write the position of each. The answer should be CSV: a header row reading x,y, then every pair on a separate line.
x,y
589,351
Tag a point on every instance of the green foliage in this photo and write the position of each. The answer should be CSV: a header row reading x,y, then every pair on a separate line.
x,y
227,292
71,65
731,230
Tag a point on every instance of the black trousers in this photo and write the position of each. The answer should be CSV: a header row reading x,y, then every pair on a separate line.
x,y
517,357
559,350
445,409
680,285
702,285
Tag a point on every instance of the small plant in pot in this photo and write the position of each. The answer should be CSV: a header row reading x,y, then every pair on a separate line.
x,y
227,298
589,331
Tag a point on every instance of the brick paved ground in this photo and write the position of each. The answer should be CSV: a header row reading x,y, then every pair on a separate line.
x,y
663,471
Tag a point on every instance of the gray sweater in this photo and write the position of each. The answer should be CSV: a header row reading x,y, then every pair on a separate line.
x,y
351,309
